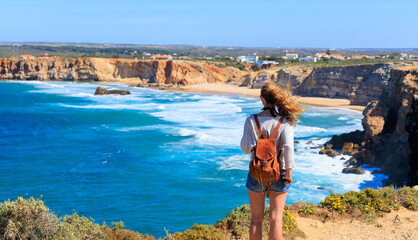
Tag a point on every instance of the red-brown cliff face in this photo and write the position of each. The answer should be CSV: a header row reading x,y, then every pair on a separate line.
x,y
99,69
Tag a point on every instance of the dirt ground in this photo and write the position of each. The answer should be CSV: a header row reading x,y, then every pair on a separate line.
x,y
397,225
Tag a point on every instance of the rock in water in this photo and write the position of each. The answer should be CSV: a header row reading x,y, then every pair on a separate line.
x,y
354,170
102,91
118,91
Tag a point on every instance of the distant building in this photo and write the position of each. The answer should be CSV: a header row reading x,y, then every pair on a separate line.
x,y
359,57
162,57
308,59
337,56
404,56
292,56
265,63
322,55
27,57
249,59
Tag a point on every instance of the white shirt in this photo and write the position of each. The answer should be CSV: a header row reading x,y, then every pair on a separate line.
x,y
284,138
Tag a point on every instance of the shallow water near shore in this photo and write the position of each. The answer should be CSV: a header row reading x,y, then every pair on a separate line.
x,y
153,159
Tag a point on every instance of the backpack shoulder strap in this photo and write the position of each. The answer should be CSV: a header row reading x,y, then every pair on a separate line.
x,y
273,136
258,126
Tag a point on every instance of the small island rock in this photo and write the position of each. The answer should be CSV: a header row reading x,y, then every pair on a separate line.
x,y
103,91
354,170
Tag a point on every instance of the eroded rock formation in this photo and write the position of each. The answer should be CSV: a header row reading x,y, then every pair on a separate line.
x,y
104,91
389,139
360,83
99,69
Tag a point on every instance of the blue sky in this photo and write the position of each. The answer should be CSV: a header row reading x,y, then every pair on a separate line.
x,y
262,23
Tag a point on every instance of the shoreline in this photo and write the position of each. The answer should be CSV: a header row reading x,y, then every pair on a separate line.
x,y
224,88
216,88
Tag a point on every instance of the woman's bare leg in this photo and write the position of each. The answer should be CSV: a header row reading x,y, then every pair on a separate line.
x,y
277,200
257,214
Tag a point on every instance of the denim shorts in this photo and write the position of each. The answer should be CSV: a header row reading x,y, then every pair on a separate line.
x,y
257,187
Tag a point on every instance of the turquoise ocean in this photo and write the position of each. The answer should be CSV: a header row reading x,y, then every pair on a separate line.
x,y
153,159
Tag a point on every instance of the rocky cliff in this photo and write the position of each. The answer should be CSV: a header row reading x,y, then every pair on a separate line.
x,y
283,76
389,140
167,72
359,83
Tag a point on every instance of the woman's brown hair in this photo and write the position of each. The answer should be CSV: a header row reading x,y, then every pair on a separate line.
x,y
287,104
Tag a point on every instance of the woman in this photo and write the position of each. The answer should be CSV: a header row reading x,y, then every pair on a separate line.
x,y
287,106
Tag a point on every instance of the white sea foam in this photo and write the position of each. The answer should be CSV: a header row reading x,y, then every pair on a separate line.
x,y
142,128
148,106
239,162
306,131
343,118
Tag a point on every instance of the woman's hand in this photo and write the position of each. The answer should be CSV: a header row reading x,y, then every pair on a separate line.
x,y
288,177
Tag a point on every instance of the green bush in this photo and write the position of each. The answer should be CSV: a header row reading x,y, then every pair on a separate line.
x,y
308,210
255,67
201,232
31,219
240,66
116,232
372,200
76,227
26,218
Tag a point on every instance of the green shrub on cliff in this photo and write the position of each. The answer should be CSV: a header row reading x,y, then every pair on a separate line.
x,y
201,232
26,218
307,210
116,232
372,200
240,66
31,219
255,67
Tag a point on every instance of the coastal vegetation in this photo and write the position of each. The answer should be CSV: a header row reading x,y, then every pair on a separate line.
x,y
32,219
211,53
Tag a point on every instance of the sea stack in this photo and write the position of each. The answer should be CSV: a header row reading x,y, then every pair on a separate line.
x,y
104,91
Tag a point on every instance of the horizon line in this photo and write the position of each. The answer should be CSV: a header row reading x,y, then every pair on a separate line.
x,y
192,45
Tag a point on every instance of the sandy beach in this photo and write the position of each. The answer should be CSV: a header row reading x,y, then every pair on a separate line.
x,y
233,89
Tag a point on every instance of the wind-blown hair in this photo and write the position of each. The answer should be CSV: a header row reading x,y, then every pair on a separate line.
x,y
287,104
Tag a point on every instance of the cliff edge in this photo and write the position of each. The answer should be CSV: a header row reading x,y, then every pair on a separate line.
x,y
120,70
389,140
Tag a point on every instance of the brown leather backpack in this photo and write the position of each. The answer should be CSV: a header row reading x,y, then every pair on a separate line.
x,y
265,167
